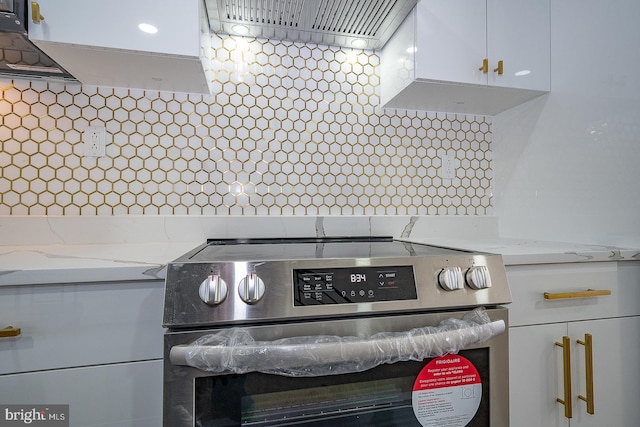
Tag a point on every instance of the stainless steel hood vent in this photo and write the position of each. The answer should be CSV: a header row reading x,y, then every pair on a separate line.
x,y
366,24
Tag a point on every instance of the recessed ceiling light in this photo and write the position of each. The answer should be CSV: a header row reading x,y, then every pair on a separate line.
x,y
358,43
148,28
240,30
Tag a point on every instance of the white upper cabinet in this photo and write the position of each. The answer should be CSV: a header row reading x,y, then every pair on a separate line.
x,y
451,40
519,34
468,56
102,43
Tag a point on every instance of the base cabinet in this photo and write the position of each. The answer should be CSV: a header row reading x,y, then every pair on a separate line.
x,y
537,373
121,395
96,347
538,366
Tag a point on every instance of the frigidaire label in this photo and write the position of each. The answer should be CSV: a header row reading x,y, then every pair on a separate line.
x,y
447,392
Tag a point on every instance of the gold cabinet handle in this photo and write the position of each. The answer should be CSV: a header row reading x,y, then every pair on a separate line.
x,y
566,366
588,357
485,66
500,69
35,13
9,331
582,294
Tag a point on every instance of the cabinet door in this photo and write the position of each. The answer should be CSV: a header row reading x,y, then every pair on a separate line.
x,y
616,372
518,33
120,395
114,24
536,376
451,40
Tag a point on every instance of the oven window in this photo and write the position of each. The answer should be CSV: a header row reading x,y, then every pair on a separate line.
x,y
378,397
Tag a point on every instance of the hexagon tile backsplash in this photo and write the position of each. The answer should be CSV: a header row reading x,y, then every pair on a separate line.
x,y
290,129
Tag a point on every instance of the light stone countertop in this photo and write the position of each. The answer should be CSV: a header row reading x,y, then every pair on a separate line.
x,y
523,251
60,250
74,263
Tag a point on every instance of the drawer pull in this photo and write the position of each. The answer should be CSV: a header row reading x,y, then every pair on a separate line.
x,y
589,293
588,355
566,365
9,331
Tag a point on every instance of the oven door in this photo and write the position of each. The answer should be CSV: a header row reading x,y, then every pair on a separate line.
x,y
467,389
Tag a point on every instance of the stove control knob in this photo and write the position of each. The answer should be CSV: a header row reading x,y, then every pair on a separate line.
x,y
450,278
478,277
251,288
213,290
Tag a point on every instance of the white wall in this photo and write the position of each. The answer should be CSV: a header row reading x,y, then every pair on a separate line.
x,y
567,165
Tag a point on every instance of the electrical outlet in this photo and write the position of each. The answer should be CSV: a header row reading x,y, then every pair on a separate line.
x,y
448,166
94,141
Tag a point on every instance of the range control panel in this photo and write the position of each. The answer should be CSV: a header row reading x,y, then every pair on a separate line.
x,y
262,282
353,285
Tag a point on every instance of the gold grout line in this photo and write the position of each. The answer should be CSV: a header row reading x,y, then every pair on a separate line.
x,y
188,107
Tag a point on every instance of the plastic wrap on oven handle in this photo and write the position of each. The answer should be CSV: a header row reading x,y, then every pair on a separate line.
x,y
235,351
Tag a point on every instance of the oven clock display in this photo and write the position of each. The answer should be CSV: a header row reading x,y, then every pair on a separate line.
x,y
353,285
358,277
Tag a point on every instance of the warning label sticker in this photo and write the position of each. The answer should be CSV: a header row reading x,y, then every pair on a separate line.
x,y
447,392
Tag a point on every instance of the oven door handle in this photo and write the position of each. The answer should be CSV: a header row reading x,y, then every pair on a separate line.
x,y
322,355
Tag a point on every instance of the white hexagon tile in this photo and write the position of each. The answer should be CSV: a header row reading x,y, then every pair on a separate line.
x,y
290,129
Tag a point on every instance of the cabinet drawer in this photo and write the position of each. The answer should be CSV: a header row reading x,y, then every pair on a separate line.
x,y
121,395
78,325
528,284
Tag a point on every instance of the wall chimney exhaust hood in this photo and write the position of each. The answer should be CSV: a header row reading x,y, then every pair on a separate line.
x,y
19,57
364,24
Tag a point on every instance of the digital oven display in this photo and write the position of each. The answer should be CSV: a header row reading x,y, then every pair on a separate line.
x,y
353,285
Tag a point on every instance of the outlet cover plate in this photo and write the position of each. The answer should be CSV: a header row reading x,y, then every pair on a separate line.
x,y
94,141
448,166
